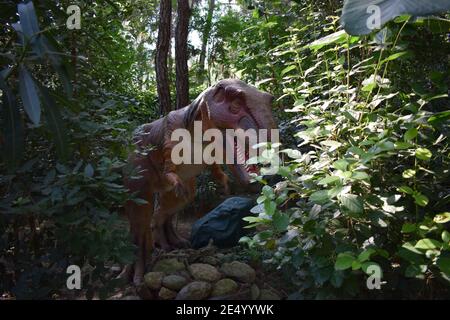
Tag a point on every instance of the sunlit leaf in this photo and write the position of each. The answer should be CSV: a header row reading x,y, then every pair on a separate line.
x,y
344,261
427,244
340,165
328,180
408,174
442,217
336,37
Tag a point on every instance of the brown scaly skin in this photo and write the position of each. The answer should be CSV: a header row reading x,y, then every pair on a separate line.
x,y
230,104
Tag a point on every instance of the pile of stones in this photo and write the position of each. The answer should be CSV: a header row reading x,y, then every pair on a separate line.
x,y
209,277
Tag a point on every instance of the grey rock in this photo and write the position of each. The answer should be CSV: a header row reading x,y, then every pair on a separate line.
x,y
131,298
174,282
167,294
255,292
204,272
224,287
210,260
197,290
168,266
268,295
153,280
240,271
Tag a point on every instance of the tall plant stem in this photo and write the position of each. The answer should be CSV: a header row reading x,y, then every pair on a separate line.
x,y
393,47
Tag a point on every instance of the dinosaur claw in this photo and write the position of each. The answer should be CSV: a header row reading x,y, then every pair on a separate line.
x,y
181,191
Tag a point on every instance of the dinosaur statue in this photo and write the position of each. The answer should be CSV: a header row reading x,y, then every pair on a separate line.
x,y
168,188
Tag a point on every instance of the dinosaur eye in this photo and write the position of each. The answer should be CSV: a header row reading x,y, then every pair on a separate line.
x,y
235,106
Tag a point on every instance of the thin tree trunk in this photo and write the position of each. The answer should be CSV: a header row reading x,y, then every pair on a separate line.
x,y
171,42
181,53
205,36
162,52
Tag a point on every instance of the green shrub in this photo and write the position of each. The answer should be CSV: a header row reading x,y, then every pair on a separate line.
x,y
369,183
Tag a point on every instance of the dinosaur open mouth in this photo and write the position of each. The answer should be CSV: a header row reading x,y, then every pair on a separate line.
x,y
242,155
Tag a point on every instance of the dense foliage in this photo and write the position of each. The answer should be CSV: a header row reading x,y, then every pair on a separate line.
x,y
369,184
364,125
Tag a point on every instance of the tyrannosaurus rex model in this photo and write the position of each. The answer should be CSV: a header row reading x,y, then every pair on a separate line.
x,y
230,104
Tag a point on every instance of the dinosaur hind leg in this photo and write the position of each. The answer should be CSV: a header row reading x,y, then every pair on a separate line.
x,y
174,239
140,219
165,234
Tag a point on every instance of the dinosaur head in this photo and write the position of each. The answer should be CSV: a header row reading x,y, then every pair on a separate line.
x,y
233,104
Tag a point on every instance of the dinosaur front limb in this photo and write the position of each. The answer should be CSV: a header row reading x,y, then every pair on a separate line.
x,y
221,177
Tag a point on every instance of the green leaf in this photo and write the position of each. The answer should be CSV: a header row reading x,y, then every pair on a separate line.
x,y
352,202
335,192
13,132
444,264
411,134
356,265
406,189
416,271
29,25
344,175
328,180
423,154
369,84
427,244
253,219
267,191
434,24
288,69
332,144
341,165
337,279
445,236
29,95
270,207
358,18
280,221
366,265
408,174
420,199
395,56
442,217
365,255
344,261
403,145
360,175
320,197
409,253
439,117
55,124
336,37
28,19
409,227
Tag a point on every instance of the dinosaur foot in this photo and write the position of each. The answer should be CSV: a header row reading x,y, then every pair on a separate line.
x,y
180,243
132,272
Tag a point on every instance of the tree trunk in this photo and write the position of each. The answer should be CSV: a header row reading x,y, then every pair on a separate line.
x,y
205,36
162,52
181,53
